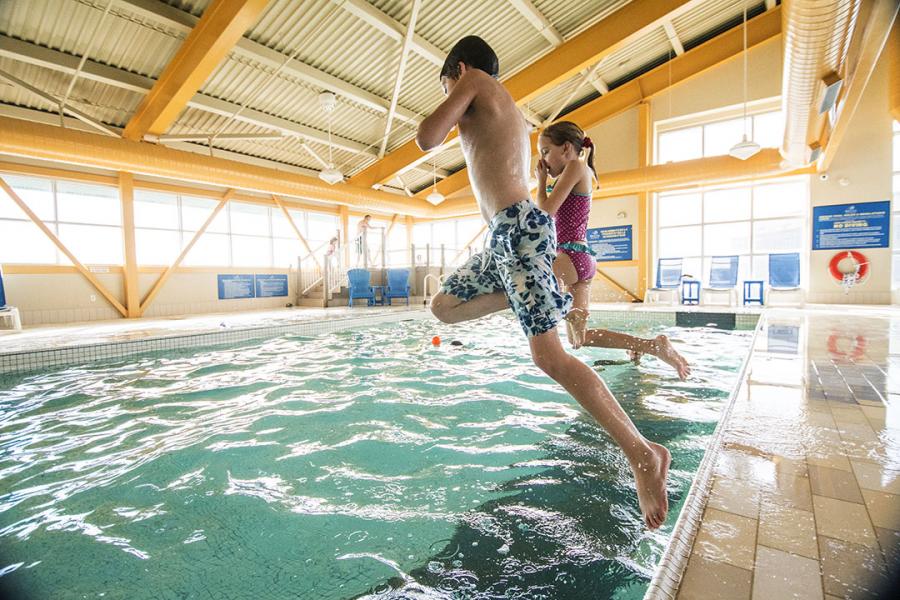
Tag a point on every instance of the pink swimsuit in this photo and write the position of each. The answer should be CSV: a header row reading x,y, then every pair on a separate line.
x,y
571,226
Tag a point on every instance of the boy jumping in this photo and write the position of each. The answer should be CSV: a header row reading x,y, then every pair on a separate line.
x,y
516,270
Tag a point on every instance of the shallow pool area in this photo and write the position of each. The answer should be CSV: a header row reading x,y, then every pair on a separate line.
x,y
351,463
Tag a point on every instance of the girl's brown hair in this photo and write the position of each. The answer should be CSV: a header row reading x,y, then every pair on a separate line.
x,y
567,131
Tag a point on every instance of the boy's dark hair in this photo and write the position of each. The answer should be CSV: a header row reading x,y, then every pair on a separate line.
x,y
473,52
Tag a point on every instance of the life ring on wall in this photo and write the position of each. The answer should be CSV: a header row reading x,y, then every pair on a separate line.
x,y
860,260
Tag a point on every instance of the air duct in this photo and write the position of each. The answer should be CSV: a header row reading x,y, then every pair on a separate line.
x,y
815,37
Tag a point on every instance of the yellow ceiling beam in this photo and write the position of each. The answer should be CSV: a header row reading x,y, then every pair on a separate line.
x,y
47,142
728,45
223,23
586,48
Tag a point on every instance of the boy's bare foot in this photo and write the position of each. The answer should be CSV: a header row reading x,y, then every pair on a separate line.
x,y
667,353
635,356
577,325
651,475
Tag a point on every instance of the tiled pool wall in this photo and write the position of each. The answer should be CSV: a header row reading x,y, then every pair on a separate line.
x,y
34,360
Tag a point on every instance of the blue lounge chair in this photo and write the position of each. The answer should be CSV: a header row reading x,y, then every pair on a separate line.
x,y
723,276
668,278
784,273
397,285
359,286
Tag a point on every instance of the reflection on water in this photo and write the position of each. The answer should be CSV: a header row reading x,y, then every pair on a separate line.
x,y
353,463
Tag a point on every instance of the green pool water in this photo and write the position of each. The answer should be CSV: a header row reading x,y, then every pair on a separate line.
x,y
359,463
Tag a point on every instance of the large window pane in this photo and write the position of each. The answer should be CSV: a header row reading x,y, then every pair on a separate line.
x,y
779,200
249,219
211,250
779,235
744,266
680,241
195,211
896,262
286,252
895,226
155,209
897,153
681,144
155,247
444,233
23,242
323,227
36,193
768,129
251,251
679,209
281,228
760,267
421,235
87,203
726,205
91,244
718,138
726,239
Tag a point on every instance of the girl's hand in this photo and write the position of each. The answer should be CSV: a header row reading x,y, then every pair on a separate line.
x,y
541,170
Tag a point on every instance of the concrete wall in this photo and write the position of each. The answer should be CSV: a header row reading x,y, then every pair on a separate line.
x,y
69,297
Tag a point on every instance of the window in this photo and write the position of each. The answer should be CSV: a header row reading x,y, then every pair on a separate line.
x,y
454,234
87,219
748,221
717,137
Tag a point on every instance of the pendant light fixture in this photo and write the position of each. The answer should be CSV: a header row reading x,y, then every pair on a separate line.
x,y
435,197
745,148
331,175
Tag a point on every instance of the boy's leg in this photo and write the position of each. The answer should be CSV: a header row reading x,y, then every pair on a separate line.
x,y
450,309
649,461
471,291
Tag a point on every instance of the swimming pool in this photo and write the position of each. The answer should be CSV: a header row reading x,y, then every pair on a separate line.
x,y
351,463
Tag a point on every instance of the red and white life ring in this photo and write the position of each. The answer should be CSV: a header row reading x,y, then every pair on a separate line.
x,y
858,257
836,348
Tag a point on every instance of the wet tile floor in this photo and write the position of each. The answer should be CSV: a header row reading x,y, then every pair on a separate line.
x,y
805,496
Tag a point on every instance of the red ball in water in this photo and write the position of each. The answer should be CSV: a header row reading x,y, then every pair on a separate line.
x,y
436,340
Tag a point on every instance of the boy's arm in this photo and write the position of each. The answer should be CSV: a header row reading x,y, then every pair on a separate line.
x,y
435,128
566,182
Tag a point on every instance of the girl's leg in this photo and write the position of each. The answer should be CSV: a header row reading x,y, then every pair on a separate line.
x,y
660,347
649,461
576,320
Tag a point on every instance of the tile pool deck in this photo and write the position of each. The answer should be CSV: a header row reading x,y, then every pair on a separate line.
x,y
803,494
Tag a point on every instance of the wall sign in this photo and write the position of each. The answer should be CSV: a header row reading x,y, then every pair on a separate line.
x,y
268,286
611,243
236,286
848,226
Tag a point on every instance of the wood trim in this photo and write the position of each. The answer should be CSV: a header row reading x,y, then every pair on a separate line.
x,y
617,285
296,230
80,267
126,196
618,263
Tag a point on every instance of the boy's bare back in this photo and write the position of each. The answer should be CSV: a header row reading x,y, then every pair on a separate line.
x,y
494,140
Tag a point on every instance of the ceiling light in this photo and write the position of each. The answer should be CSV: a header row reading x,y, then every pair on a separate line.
x,y
331,176
744,149
435,197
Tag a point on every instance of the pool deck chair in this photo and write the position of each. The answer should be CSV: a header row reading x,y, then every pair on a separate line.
x,y
723,276
668,281
359,286
397,285
784,278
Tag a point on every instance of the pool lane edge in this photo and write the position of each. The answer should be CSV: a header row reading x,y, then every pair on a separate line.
x,y
669,572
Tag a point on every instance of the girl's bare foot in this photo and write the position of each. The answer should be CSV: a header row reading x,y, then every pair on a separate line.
x,y
635,356
577,325
667,353
651,474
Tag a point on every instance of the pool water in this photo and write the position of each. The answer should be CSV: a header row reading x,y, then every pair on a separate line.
x,y
357,463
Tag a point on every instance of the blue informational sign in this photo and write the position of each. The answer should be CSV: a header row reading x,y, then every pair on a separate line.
x,y
268,286
849,226
232,287
610,243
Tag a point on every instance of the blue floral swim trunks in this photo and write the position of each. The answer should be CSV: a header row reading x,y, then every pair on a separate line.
x,y
518,260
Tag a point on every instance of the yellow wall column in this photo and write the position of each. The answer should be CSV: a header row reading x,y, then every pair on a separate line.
x,y
645,145
345,232
409,237
126,195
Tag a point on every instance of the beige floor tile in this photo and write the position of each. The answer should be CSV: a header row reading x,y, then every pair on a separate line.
x,y
849,415
817,418
727,537
832,460
889,540
843,520
874,477
861,432
782,575
871,451
884,509
710,580
740,496
788,529
834,483
789,491
850,570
